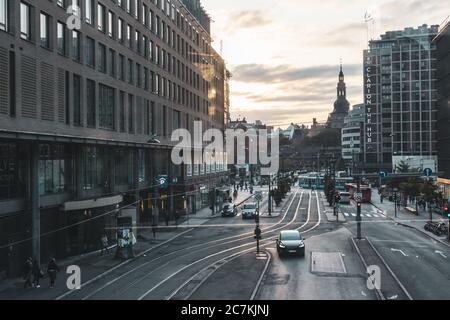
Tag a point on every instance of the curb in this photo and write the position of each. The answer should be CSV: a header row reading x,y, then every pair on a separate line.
x,y
379,294
263,273
411,227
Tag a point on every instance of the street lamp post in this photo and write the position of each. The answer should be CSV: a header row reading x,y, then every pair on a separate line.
x,y
358,210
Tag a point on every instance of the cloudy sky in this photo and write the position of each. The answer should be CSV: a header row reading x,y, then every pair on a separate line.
x,y
284,54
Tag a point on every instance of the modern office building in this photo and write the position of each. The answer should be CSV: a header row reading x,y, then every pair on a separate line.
x,y
442,42
400,100
352,142
86,115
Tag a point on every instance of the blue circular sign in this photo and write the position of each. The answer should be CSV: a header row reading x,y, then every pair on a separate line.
x,y
383,174
428,172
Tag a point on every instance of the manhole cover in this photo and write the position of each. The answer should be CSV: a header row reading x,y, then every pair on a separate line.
x,y
327,262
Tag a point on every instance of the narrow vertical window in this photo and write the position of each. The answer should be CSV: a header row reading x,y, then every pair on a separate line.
x,y
45,34
76,100
76,45
61,34
90,107
25,21
4,15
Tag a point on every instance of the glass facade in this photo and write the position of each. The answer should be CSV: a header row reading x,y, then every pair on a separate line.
x,y
12,171
52,169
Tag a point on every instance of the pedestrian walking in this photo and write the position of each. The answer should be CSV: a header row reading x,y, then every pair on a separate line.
x,y
37,273
28,270
52,269
105,245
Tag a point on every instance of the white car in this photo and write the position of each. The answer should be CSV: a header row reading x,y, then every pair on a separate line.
x,y
249,211
345,197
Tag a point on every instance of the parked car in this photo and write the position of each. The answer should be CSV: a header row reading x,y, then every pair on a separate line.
x,y
229,210
249,211
290,242
345,197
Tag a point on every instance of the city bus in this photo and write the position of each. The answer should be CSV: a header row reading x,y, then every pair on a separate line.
x,y
366,192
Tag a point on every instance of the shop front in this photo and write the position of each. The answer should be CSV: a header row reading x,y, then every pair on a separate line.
x,y
87,221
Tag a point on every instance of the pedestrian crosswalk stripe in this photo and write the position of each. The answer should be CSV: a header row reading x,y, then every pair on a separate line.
x,y
353,214
368,215
375,215
346,214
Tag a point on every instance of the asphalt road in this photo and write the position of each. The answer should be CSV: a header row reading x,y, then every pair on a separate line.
x,y
420,263
218,260
163,272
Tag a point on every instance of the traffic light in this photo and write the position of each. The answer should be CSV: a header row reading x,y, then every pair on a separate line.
x,y
446,211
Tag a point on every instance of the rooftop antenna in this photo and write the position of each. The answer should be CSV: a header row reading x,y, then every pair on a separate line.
x,y
368,18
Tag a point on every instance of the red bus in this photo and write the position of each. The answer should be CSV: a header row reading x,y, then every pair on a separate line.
x,y
365,191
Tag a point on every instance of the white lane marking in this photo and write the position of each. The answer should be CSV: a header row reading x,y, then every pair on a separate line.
x,y
441,253
226,250
368,215
375,215
353,214
398,250
346,214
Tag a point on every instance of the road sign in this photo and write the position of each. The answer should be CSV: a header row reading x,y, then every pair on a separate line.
x,y
428,172
358,196
383,174
258,195
162,181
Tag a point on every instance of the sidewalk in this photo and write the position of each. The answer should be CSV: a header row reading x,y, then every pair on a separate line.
x,y
95,264
329,212
408,219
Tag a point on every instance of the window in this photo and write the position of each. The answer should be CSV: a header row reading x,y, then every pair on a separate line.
x,y
4,15
61,33
77,100
112,63
120,30
128,6
144,15
150,53
101,57
101,17
121,67
90,52
106,107
137,38
25,21
136,9
90,106
129,36
111,24
89,11
130,114
122,111
45,31
61,3
76,45
51,169
130,71
94,167
138,75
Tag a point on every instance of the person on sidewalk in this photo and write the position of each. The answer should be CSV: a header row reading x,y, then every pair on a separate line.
x,y
154,230
105,245
37,273
52,269
28,271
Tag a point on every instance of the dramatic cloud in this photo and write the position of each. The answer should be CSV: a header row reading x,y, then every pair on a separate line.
x,y
249,19
285,55
288,73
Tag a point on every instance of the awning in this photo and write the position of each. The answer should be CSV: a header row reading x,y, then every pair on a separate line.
x,y
92,203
